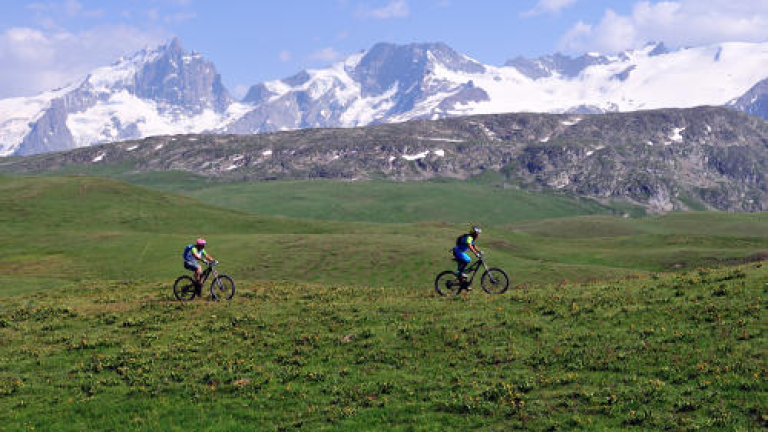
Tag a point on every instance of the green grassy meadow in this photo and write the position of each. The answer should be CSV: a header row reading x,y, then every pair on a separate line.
x,y
486,199
394,202
682,352
638,324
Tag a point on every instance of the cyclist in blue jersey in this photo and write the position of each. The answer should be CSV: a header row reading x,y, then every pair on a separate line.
x,y
464,243
193,253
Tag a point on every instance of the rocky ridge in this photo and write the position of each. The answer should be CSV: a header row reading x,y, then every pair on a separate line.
x,y
699,158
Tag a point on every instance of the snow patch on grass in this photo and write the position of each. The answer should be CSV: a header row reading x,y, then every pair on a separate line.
x,y
416,156
571,122
441,139
676,135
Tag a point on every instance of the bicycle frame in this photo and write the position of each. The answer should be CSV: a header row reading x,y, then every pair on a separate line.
x,y
207,272
473,268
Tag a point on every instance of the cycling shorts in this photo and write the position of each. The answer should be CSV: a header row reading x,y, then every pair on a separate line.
x,y
461,257
192,266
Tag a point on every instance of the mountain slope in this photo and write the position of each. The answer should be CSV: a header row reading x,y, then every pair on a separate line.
x,y
755,101
697,158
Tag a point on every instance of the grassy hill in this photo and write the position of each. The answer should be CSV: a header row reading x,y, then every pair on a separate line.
x,y
613,324
486,199
75,228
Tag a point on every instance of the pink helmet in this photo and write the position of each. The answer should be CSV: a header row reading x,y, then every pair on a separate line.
x,y
201,242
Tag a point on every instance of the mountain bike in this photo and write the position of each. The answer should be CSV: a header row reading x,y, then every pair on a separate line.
x,y
222,286
493,280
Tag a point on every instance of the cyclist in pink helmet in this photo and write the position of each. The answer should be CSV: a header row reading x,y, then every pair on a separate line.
x,y
193,253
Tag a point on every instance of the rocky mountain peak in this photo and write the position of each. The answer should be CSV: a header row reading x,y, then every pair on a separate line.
x,y
181,79
156,90
386,64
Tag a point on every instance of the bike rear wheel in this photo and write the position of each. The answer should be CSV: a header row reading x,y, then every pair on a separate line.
x,y
447,284
222,288
494,281
185,288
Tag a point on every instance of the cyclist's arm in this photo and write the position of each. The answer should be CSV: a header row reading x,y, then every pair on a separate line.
x,y
473,248
208,257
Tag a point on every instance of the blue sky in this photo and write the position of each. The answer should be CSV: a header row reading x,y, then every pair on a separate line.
x,y
48,43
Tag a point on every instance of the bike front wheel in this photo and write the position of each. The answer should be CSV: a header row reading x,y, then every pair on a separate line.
x,y
222,288
447,284
185,288
494,281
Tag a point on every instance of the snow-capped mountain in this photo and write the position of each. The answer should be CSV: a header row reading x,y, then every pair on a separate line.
x,y
166,90
387,83
392,83
157,91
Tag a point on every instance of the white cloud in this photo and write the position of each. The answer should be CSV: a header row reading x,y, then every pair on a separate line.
x,y
284,56
36,60
395,9
549,7
676,23
327,54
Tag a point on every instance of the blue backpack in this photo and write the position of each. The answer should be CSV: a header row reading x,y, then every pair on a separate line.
x,y
187,251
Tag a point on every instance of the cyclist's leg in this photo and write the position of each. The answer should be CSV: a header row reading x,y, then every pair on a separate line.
x,y
193,267
463,260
